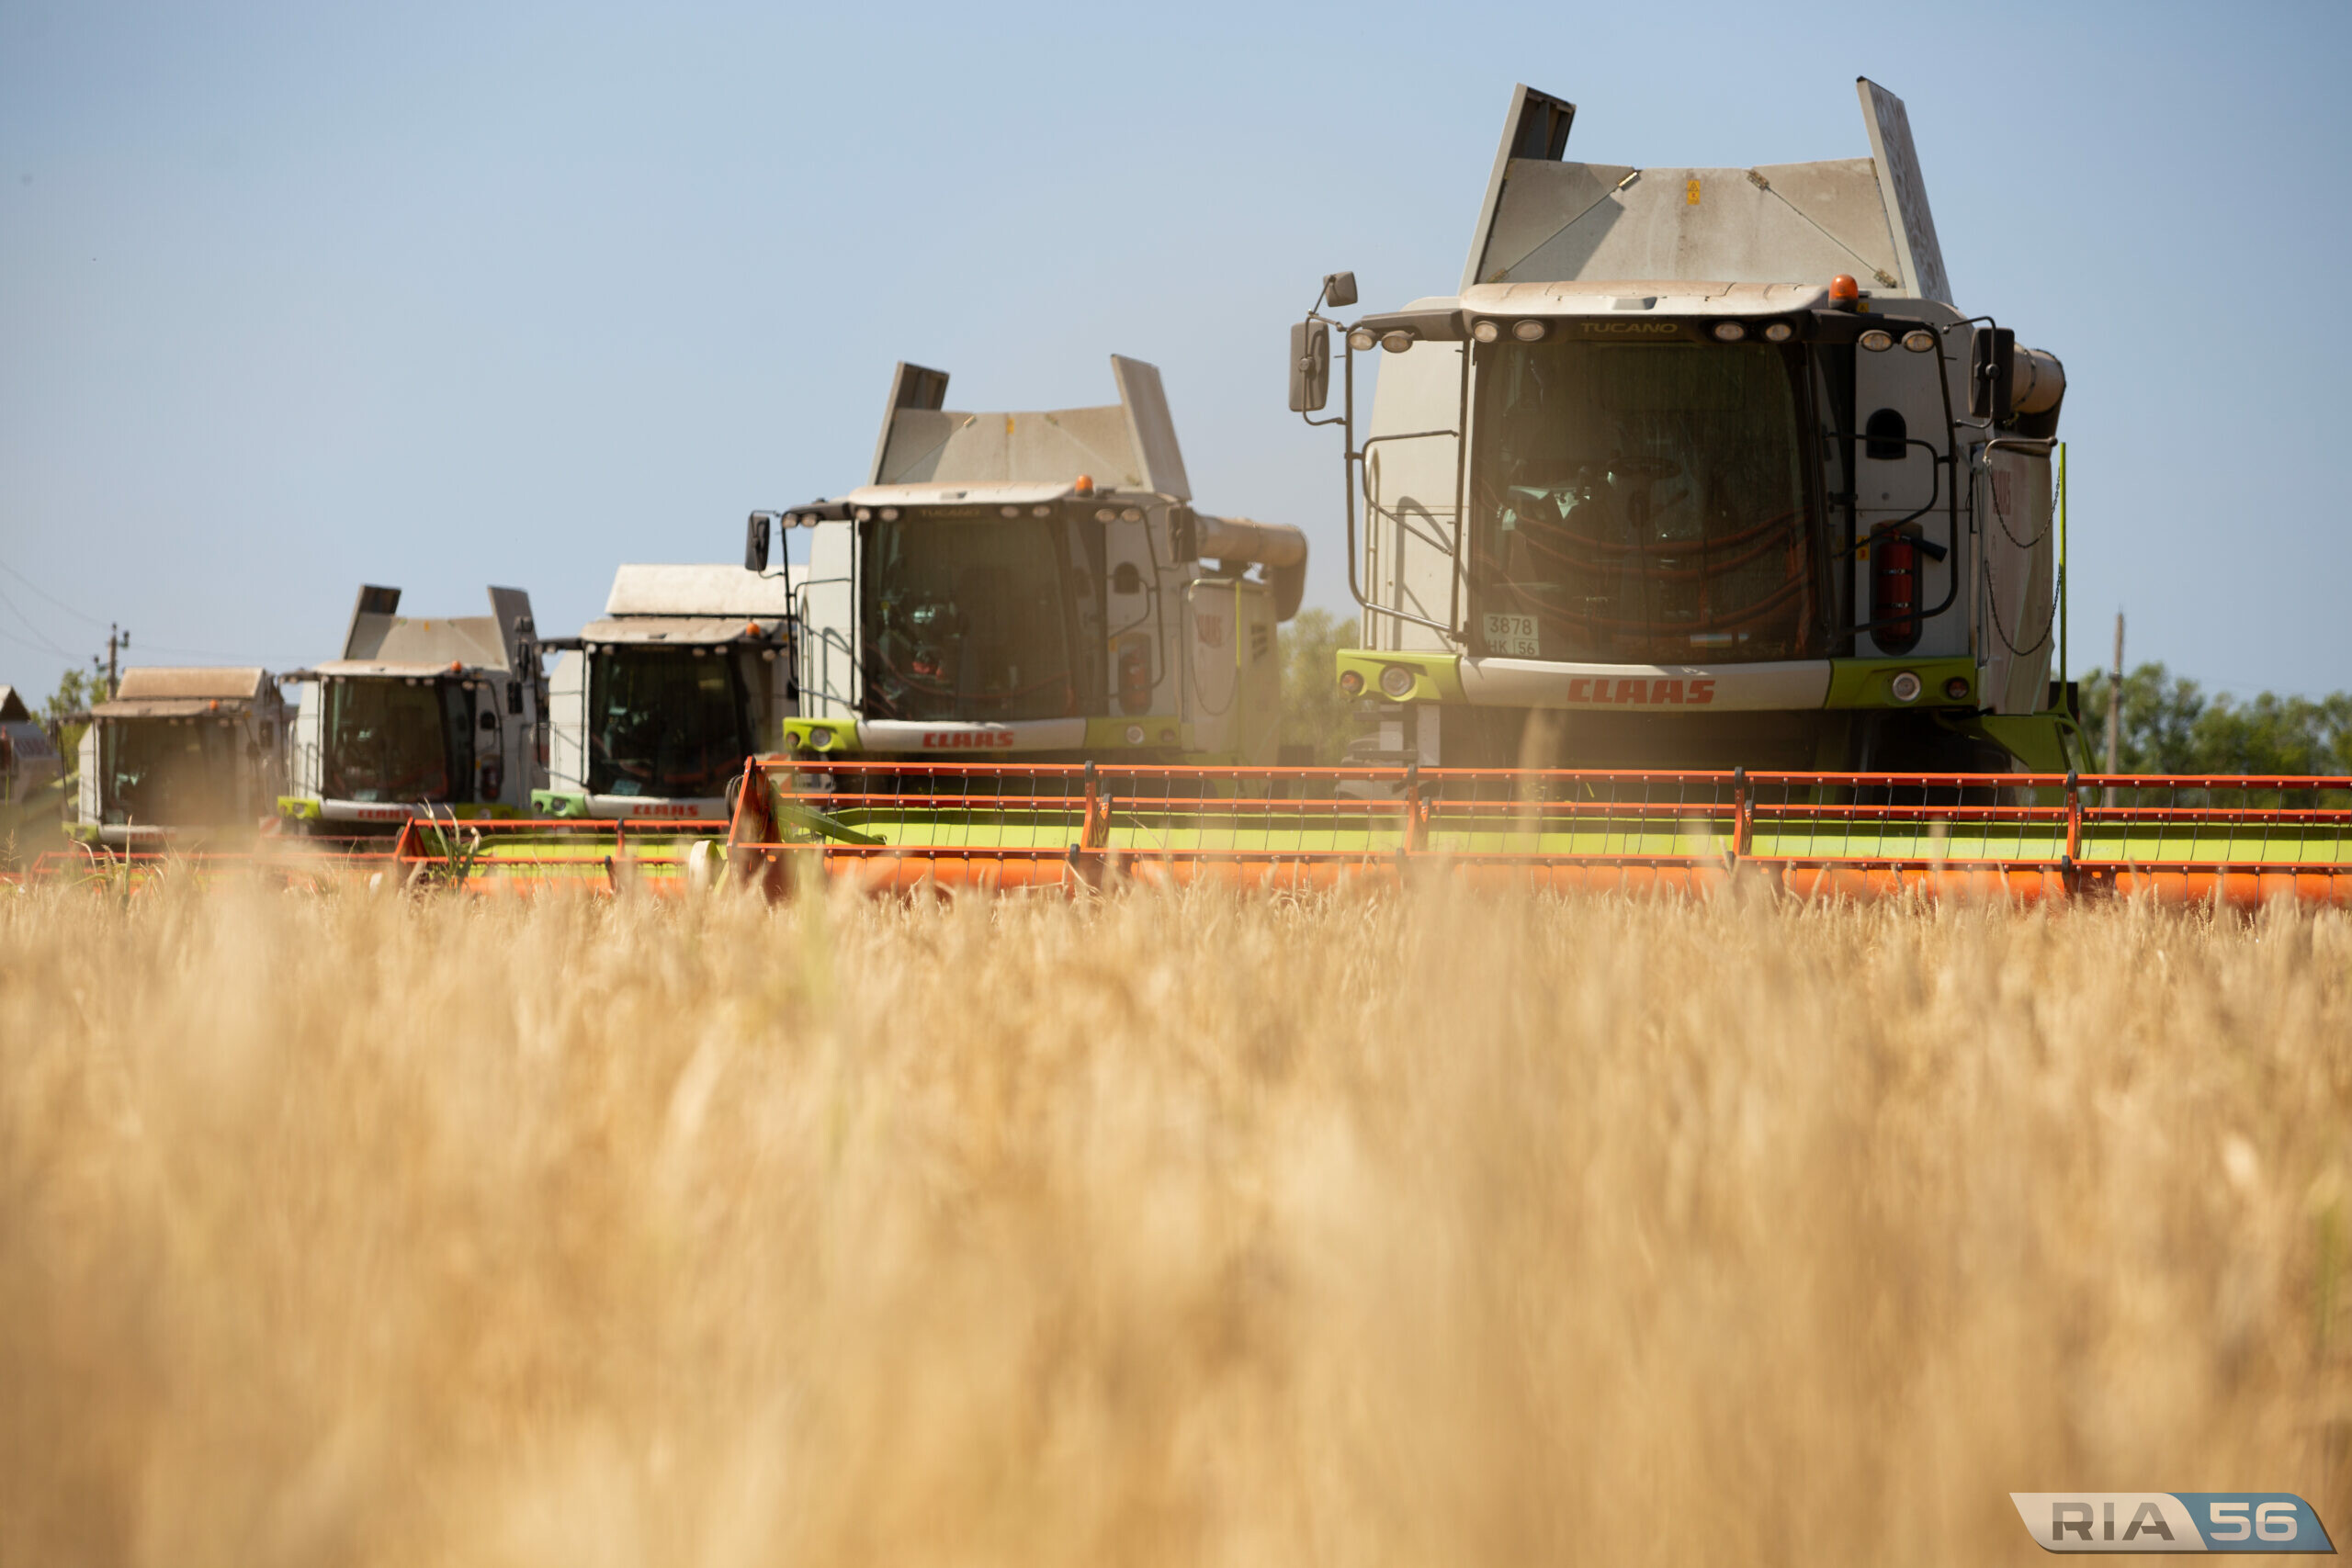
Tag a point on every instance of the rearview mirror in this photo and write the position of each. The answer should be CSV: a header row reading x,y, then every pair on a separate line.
x,y
1992,373
1339,289
1310,366
755,542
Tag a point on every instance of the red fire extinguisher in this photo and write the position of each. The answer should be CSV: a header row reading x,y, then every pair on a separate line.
x,y
1134,675
1897,579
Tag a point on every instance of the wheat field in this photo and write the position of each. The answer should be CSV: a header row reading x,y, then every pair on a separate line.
x,y
1366,1229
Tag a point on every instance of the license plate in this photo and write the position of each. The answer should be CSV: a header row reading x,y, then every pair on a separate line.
x,y
1512,636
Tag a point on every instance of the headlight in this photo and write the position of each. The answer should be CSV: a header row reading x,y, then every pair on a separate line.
x,y
1905,686
1877,340
1396,341
1350,682
1527,332
1362,340
1485,332
1779,332
889,515
820,739
1730,332
1131,514
1396,680
865,515
1919,340
1957,688
1008,511
1134,735
1041,511
1105,514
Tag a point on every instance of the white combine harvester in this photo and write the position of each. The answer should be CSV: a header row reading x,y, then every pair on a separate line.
x,y
1036,585
1702,467
444,717
657,704
180,757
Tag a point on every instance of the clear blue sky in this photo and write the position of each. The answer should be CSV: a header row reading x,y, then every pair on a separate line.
x,y
294,297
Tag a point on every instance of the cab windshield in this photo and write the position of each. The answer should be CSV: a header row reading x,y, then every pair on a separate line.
x,y
981,618
389,739
1643,503
167,773
671,722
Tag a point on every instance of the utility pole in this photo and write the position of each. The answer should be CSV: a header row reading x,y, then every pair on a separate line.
x,y
118,639
2115,707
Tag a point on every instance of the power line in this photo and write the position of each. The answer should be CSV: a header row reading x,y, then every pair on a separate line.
x,y
20,642
52,598
33,629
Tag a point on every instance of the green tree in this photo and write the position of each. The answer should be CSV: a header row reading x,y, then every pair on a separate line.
x,y
76,690
2170,726
1319,719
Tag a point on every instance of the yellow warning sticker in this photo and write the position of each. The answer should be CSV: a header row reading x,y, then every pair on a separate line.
x,y
1690,192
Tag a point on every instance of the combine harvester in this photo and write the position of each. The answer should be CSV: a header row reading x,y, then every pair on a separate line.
x,y
1700,485
688,674
1036,586
655,710
438,722
181,759
180,767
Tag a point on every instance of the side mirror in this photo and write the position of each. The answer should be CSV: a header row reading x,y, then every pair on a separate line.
x,y
755,542
1340,291
1992,373
1310,366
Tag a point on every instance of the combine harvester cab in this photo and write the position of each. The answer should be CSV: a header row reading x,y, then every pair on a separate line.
x,y
1036,586
1741,487
445,718
659,705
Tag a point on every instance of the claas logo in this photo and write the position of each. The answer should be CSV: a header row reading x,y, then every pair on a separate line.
x,y
1651,692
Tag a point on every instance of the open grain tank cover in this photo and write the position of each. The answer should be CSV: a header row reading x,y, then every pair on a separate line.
x,y
381,641
1550,221
1129,446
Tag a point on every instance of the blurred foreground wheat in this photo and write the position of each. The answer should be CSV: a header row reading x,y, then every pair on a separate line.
x,y
1408,1230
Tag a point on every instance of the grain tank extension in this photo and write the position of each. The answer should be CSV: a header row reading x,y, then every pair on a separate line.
x,y
1702,467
